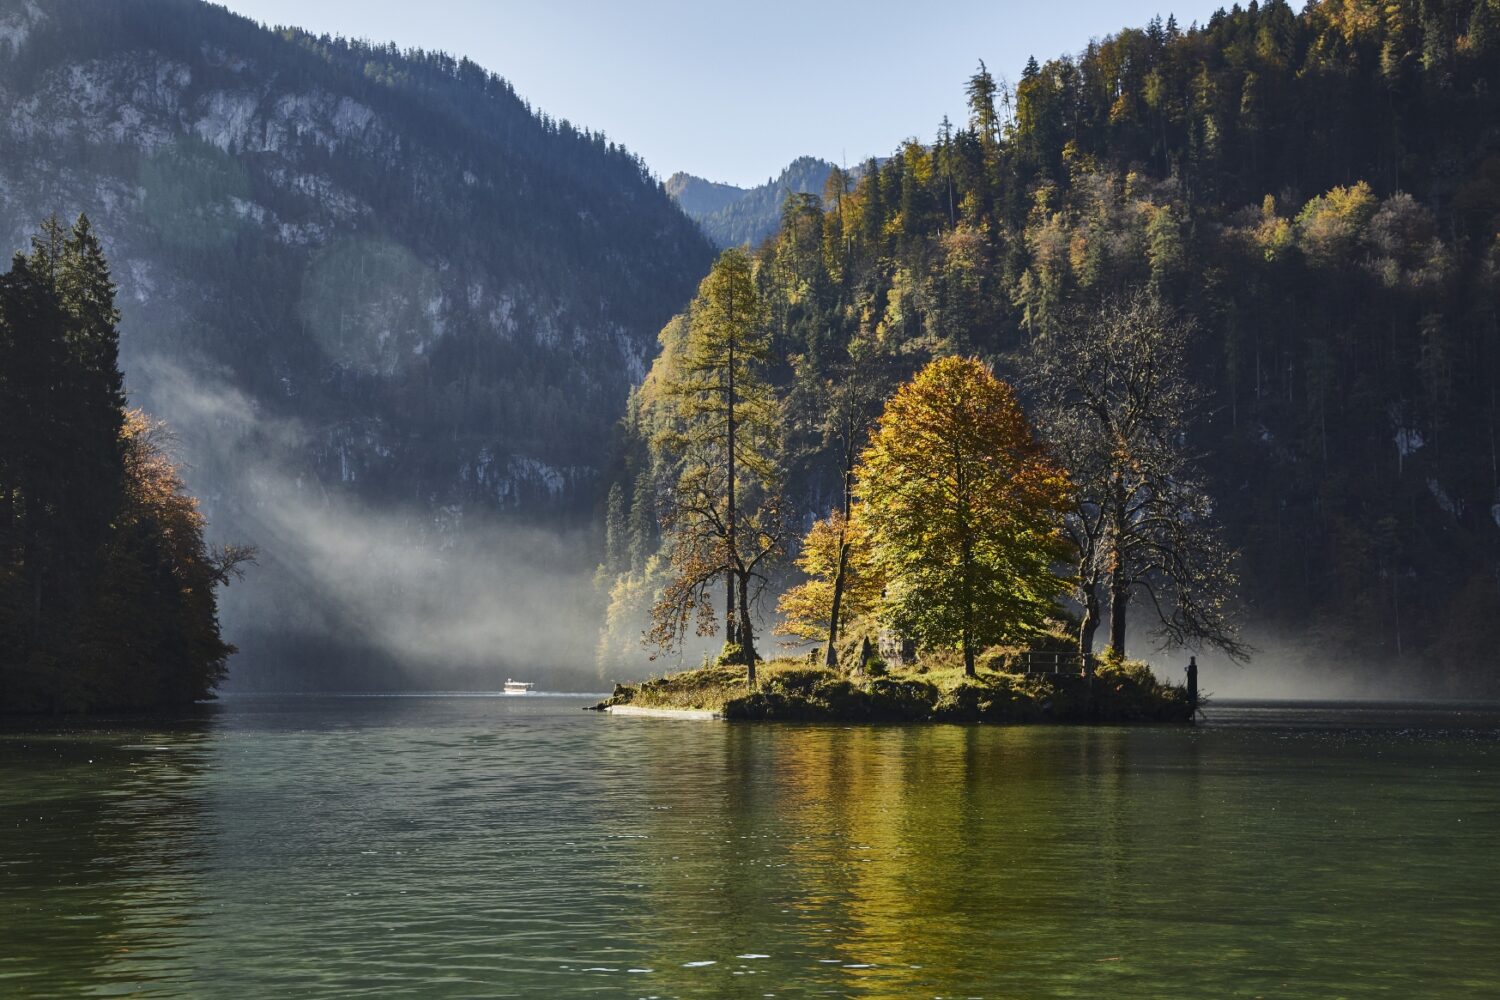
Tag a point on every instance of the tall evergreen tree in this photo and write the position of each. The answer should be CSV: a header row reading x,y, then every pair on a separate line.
x,y
616,530
107,589
723,520
984,120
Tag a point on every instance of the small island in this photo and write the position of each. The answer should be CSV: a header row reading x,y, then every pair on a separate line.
x,y
935,689
964,561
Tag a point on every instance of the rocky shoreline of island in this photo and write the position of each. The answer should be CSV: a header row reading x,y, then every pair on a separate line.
x,y
794,691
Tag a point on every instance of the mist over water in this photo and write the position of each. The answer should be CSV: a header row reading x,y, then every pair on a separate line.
x,y
350,593
406,594
1285,668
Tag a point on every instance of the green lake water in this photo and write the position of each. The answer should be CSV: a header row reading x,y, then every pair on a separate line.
x,y
520,847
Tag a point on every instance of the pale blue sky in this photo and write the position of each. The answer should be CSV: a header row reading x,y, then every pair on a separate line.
x,y
733,92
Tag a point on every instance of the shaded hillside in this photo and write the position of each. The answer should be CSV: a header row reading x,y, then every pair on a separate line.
x,y
732,216
358,282
699,197
1319,192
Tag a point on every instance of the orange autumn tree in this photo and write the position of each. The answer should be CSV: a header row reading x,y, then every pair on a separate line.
x,y
964,509
807,609
153,636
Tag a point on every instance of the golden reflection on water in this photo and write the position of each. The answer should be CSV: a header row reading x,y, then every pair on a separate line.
x,y
468,848
1069,862
901,858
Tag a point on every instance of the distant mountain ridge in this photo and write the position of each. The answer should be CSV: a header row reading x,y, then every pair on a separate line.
x,y
353,278
699,197
732,216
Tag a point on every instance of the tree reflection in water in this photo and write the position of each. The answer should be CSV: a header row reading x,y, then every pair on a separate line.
x,y
101,855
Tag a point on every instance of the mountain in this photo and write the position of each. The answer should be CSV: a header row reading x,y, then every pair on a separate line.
x,y
699,197
731,215
1318,192
391,310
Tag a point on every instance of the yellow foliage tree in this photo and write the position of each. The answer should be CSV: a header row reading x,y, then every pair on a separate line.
x,y
1331,225
964,510
722,441
153,635
807,609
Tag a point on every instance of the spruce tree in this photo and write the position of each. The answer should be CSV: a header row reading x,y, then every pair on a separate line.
x,y
107,588
983,119
616,529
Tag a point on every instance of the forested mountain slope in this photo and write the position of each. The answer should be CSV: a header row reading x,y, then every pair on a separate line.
x,y
731,215
367,287
1319,191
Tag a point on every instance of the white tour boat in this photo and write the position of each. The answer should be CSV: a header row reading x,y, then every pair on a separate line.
x,y
518,687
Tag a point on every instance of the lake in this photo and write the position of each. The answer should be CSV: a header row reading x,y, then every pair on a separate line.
x,y
456,846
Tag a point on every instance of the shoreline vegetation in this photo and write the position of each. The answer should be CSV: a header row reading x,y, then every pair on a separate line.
x,y
959,532
793,690
108,587
1140,272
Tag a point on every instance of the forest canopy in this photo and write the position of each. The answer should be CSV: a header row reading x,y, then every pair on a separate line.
x,y
1315,194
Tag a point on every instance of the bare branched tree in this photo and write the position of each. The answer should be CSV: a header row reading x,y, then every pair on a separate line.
x,y
1115,402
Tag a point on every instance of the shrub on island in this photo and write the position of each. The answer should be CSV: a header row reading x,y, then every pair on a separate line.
x,y
929,691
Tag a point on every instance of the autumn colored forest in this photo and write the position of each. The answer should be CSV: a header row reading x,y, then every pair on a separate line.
x,y
1316,195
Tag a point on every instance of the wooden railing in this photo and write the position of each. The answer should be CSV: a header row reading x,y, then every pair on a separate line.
x,y
1048,663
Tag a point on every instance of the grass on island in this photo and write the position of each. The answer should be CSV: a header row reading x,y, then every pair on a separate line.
x,y
934,689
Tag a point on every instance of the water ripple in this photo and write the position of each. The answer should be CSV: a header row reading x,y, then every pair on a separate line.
x,y
472,847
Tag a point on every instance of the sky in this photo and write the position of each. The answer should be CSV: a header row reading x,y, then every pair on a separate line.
x,y
735,91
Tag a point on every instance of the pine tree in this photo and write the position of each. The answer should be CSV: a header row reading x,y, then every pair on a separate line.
x,y
616,529
107,589
983,119
1481,35
39,442
642,522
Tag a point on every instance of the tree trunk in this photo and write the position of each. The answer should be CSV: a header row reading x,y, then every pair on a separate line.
x,y
747,633
36,609
1119,600
832,657
729,630
1086,630
968,635
732,636
1090,623
968,595
31,559
1119,583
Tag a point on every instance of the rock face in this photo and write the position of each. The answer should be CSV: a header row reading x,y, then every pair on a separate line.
x,y
358,282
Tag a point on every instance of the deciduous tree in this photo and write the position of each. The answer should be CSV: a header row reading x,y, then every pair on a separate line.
x,y
965,510
1115,402
842,585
